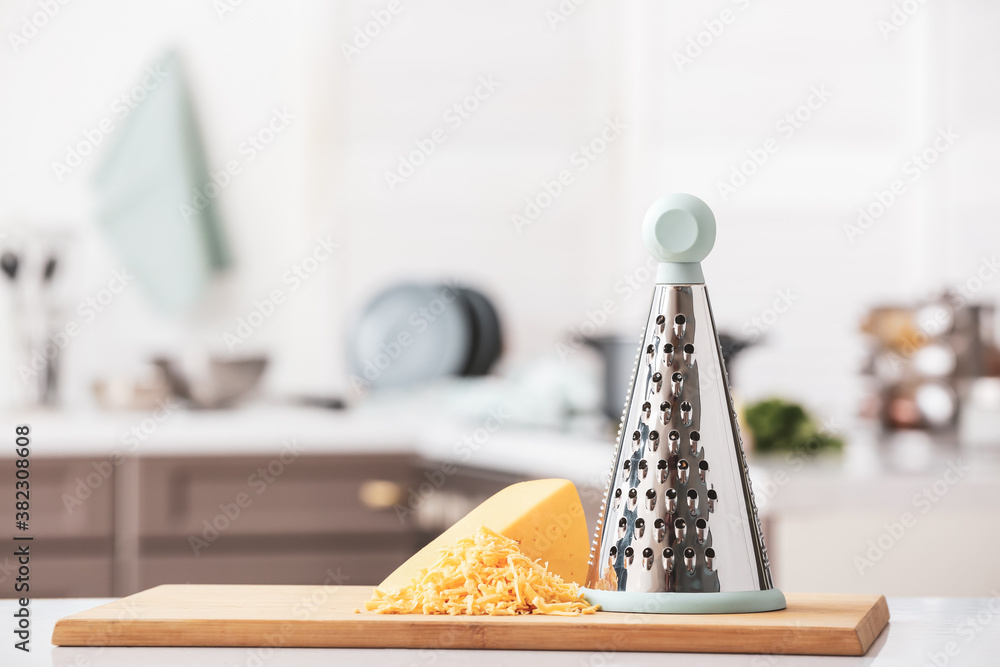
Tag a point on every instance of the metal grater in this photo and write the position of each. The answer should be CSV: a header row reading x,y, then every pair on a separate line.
x,y
679,531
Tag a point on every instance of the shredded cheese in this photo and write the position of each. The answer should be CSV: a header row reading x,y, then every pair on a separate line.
x,y
483,575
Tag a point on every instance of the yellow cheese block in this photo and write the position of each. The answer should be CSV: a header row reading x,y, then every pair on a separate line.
x,y
544,515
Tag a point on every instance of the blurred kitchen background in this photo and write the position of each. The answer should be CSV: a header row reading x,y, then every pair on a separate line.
x,y
289,287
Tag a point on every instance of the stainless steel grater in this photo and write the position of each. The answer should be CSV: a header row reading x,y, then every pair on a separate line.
x,y
679,531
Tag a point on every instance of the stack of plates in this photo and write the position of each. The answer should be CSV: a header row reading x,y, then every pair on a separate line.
x,y
413,333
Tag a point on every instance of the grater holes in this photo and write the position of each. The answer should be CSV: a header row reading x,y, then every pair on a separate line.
x,y
670,496
657,381
640,527
668,559
622,527
626,468
618,498
674,438
633,498
636,440
659,529
668,354
712,497
646,411
701,530
661,471
682,471
629,555
650,353
665,412
688,355
686,413
689,560
676,383
654,440
680,326
643,468
680,529
692,501
647,558
702,469
661,323
695,439
650,499
710,559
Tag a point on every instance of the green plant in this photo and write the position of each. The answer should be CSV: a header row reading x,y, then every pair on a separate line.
x,y
778,425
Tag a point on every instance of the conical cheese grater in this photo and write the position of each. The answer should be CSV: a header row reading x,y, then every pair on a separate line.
x,y
679,531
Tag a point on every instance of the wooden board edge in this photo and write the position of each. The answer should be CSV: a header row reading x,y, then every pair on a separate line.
x,y
128,630
872,624
761,640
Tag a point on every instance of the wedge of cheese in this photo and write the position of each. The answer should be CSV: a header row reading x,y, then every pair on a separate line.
x,y
545,516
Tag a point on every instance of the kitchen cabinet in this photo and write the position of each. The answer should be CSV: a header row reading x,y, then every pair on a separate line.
x,y
236,519
71,521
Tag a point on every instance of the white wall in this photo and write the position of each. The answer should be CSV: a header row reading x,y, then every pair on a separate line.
x,y
686,130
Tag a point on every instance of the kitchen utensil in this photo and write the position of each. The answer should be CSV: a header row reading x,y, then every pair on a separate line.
x,y
213,382
679,531
618,355
323,616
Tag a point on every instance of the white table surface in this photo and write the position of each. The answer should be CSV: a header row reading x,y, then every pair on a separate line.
x,y
920,632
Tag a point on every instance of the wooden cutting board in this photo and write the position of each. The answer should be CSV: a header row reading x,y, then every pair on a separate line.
x,y
324,616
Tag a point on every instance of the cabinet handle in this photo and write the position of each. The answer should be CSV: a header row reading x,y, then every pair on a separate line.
x,y
379,494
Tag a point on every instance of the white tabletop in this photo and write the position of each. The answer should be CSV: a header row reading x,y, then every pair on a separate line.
x,y
921,632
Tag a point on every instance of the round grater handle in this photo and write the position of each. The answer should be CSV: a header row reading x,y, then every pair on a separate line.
x,y
679,231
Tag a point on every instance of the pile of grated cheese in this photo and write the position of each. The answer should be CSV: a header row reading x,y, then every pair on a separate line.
x,y
484,575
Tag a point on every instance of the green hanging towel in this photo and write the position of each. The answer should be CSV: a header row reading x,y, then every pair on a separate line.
x,y
151,194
